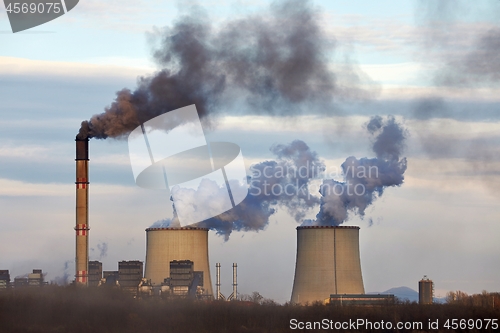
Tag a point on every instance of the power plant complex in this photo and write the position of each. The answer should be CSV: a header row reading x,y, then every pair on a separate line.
x,y
327,269
177,261
177,265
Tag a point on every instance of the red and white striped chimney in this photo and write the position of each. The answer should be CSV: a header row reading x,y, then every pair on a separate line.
x,y
82,212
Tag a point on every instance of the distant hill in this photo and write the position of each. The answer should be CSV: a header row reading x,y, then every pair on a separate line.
x,y
405,293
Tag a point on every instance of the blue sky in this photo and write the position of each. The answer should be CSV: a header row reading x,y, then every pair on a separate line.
x,y
442,219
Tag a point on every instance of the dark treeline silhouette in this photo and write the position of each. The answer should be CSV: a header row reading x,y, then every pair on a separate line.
x,y
485,299
70,309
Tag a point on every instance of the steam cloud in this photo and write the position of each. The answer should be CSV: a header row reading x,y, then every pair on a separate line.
x,y
103,249
286,182
276,61
282,182
365,178
165,223
64,279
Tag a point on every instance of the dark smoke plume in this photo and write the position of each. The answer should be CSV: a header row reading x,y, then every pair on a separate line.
x,y
463,41
365,179
439,140
430,107
479,66
463,51
277,61
434,118
283,182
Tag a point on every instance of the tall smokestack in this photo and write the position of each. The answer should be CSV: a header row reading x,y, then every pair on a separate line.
x,y
327,263
82,211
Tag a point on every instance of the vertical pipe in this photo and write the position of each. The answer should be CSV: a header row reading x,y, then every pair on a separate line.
x,y
335,259
235,281
82,213
217,285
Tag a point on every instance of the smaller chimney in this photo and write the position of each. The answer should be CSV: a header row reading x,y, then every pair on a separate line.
x,y
234,295
218,295
235,281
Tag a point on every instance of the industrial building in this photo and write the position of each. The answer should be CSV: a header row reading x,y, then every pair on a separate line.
x,y
184,281
425,291
4,279
20,282
109,278
361,300
165,245
95,273
328,262
130,275
35,279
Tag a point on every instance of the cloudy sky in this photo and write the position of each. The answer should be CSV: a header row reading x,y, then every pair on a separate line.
x,y
433,65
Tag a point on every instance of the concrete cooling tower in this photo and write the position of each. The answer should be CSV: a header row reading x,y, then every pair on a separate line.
x,y
164,245
327,263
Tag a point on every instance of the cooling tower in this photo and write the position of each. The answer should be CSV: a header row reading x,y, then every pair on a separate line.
x,y
327,263
164,245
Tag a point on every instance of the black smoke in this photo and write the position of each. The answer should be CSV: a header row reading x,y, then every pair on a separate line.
x,y
480,66
277,61
430,107
460,150
461,41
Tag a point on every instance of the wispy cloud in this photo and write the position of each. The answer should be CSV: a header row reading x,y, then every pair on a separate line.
x,y
43,68
13,188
